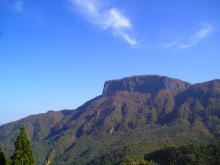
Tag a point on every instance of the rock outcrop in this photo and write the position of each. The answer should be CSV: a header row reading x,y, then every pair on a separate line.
x,y
144,84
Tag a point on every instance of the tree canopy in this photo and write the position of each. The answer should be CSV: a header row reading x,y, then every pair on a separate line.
x,y
202,154
23,154
3,160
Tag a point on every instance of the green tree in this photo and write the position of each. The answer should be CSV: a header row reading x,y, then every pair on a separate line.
x,y
23,154
3,160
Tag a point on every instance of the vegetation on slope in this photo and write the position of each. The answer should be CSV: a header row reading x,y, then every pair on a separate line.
x,y
168,115
129,161
3,160
196,154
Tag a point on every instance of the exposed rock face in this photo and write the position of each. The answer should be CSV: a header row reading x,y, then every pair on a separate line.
x,y
143,84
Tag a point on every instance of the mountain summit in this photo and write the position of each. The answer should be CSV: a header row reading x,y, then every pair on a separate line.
x,y
144,84
146,112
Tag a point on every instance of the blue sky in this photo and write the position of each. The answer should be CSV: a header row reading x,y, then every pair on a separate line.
x,y
58,54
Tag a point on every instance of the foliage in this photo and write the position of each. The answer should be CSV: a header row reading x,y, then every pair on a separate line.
x,y
129,161
202,154
23,153
3,160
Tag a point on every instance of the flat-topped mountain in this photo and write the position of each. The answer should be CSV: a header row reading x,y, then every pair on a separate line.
x,y
144,84
144,111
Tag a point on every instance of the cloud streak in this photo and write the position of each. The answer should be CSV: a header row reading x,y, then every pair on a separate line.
x,y
170,44
190,41
19,6
106,18
196,38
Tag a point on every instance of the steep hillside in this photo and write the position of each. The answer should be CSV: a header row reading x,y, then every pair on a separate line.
x,y
144,111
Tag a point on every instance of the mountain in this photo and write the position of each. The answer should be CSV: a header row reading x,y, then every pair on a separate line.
x,y
137,115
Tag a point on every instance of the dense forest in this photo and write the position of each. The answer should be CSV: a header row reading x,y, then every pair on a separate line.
x,y
195,154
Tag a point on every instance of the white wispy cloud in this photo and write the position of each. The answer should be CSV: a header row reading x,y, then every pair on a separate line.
x,y
169,44
19,5
106,18
197,37
192,40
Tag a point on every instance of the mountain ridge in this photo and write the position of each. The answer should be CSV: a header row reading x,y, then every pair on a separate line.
x,y
178,116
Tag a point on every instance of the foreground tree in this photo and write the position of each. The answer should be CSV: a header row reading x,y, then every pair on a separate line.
x,y
23,154
3,160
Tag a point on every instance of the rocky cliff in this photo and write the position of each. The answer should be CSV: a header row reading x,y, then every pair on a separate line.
x,y
144,84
